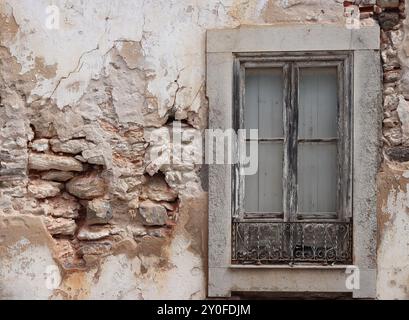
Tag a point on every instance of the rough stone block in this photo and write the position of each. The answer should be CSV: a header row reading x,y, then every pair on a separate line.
x,y
99,211
60,226
93,233
40,189
64,206
388,20
45,162
400,154
60,176
40,145
71,146
387,3
153,214
87,187
157,189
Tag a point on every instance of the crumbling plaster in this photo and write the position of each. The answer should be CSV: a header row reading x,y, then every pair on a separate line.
x,y
99,93
393,223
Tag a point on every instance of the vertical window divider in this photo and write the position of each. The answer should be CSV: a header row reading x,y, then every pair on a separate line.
x,y
236,201
237,123
348,138
341,119
242,88
287,153
291,145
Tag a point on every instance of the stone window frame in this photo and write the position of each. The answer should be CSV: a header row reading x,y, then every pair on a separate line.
x,y
363,45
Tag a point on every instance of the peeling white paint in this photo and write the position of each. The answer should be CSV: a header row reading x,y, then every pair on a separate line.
x,y
393,262
24,275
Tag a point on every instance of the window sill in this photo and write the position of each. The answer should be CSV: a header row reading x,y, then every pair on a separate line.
x,y
295,266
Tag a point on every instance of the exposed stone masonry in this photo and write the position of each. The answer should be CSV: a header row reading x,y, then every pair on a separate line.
x,y
71,185
392,176
86,178
390,14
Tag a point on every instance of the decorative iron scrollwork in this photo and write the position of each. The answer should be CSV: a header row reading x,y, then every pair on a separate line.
x,y
292,242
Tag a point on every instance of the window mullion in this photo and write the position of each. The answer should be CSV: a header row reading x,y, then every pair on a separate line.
x,y
289,183
238,123
344,147
293,144
340,145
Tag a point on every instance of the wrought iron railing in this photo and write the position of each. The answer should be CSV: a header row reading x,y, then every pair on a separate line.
x,y
291,242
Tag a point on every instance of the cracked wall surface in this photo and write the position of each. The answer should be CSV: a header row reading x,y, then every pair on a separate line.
x,y
85,212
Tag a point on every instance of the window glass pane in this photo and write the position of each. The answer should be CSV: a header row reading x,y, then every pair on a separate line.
x,y
317,177
318,101
263,108
263,190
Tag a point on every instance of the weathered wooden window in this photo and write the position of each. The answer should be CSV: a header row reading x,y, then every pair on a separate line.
x,y
297,207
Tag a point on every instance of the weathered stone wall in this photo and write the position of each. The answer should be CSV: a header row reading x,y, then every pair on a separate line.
x,y
84,210
393,218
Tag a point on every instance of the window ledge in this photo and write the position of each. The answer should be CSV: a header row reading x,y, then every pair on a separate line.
x,y
295,266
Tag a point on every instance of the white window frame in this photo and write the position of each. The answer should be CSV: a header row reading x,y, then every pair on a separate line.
x,y
363,44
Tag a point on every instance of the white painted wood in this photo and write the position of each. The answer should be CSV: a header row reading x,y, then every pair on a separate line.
x,y
270,103
251,105
270,177
251,184
317,177
263,190
318,97
263,108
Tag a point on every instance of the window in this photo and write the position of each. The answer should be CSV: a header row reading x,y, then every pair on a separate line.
x,y
314,93
296,208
